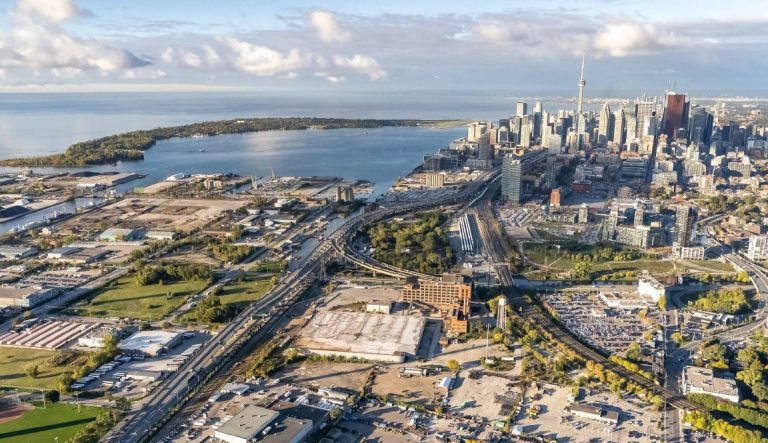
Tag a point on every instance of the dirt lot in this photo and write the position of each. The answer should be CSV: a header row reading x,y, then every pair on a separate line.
x,y
348,294
11,411
554,422
324,374
476,396
415,389
156,214
355,430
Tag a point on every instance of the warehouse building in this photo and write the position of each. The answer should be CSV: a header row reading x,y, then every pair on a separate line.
x,y
25,296
257,424
698,380
149,343
371,336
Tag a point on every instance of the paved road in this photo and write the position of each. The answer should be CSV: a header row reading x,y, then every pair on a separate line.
x,y
500,250
174,391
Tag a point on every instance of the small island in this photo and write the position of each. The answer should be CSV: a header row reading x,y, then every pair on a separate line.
x,y
131,145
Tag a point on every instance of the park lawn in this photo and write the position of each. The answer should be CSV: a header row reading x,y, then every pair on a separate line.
x,y
237,295
126,299
269,266
13,364
57,422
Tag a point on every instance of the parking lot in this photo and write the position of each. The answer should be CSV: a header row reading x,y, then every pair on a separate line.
x,y
610,329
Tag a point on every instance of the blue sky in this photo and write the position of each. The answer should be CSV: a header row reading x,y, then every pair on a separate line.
x,y
341,47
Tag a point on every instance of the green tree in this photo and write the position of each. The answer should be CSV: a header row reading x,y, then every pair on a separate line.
x,y
32,371
453,365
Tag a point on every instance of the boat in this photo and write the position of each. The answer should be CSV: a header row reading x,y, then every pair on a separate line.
x,y
201,150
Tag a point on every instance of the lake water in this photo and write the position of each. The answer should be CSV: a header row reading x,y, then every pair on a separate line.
x,y
34,124
41,124
379,155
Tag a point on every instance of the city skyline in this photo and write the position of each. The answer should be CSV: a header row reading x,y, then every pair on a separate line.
x,y
342,48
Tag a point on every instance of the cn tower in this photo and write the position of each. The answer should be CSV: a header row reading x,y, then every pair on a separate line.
x,y
582,83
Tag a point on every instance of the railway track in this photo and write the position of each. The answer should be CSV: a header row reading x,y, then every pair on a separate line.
x,y
500,250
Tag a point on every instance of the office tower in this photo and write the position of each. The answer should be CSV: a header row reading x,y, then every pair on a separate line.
x,y
682,225
484,151
538,108
639,214
503,134
511,180
605,125
475,130
552,173
504,122
675,114
525,132
643,108
536,129
555,145
493,134
619,123
630,117
521,109
707,184
581,123
582,83
613,220
649,126
514,129
583,214
555,198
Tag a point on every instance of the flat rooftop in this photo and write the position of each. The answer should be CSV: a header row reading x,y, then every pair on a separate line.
x,y
249,422
148,341
705,379
362,333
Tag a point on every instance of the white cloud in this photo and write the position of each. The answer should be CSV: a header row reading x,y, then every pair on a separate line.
x,y
327,27
330,77
144,74
240,55
263,61
54,11
493,32
36,41
630,37
362,64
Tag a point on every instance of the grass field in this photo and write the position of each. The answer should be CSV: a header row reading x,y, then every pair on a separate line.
x,y
14,361
126,299
269,266
237,295
58,421
653,266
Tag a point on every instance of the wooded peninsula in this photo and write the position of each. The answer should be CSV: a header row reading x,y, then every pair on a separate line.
x,y
131,145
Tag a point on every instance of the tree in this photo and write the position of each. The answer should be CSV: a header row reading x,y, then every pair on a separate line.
x,y
662,302
634,352
678,338
453,365
52,396
64,381
32,371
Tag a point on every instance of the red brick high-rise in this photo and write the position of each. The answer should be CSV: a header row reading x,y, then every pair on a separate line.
x,y
675,114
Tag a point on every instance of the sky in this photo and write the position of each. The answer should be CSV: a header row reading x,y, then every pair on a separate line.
x,y
525,48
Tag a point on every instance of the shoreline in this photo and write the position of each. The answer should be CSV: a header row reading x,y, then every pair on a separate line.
x,y
130,146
